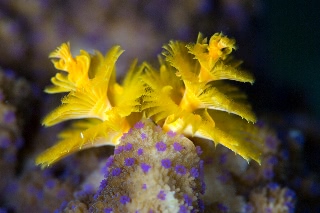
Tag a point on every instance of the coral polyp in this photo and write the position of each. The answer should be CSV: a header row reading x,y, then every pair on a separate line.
x,y
187,94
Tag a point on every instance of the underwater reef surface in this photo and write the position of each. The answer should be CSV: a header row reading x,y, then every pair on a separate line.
x,y
195,177
282,183
148,162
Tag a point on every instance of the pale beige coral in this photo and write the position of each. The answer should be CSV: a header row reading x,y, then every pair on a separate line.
x,y
273,200
37,193
219,192
76,207
144,186
15,95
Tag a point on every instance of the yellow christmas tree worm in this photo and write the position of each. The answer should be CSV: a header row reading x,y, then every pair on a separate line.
x,y
187,94
94,96
190,108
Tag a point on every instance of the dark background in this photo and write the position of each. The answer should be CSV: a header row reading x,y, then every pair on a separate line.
x,y
293,55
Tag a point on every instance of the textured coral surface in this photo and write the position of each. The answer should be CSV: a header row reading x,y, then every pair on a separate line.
x,y
151,171
287,179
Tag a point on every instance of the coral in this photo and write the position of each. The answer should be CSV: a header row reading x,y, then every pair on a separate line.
x,y
273,198
188,96
226,176
271,160
15,94
52,190
76,207
174,95
39,192
151,171
299,134
229,178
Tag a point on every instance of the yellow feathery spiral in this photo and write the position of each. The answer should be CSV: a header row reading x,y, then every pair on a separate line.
x,y
190,93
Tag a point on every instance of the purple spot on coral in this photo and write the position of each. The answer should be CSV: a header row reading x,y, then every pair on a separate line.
x,y
124,199
268,174
161,195
108,210
273,186
144,186
139,125
203,187
128,147
183,209
80,194
124,136
248,208
171,133
106,173
290,206
110,161
273,160
194,172
10,73
143,136
223,158
180,169
116,172
88,188
9,116
62,206
201,205
50,184
290,194
4,142
222,207
145,167
140,151
166,163
224,177
187,199
118,150
201,168
103,184
177,147
129,161
161,146
198,150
